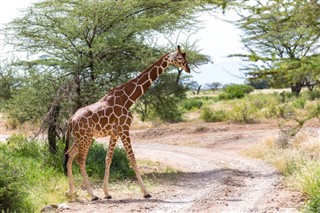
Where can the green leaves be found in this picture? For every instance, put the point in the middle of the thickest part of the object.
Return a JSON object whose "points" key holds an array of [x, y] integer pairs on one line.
{"points": [[87, 47], [280, 32]]}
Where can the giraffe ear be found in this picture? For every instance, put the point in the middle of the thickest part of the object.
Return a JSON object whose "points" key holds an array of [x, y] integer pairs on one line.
{"points": [[184, 55], [178, 48]]}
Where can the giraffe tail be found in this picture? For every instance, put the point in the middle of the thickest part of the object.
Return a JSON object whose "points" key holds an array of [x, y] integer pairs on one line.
{"points": [[66, 149]]}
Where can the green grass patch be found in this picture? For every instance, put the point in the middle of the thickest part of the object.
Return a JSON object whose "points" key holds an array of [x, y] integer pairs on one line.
{"points": [[235, 91], [209, 115], [36, 182], [192, 103], [31, 177]]}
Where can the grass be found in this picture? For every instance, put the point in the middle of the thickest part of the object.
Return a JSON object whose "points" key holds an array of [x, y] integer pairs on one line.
{"points": [[37, 180], [255, 107], [299, 163], [31, 178]]}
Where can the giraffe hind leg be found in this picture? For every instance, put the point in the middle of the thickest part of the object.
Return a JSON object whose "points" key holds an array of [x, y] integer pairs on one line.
{"points": [[82, 156], [69, 160]]}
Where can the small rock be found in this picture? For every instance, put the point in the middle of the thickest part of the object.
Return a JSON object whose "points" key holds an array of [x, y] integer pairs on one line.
{"points": [[63, 206], [48, 209]]}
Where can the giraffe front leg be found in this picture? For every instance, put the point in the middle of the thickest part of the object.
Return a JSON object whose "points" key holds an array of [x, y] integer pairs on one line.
{"points": [[127, 145], [112, 144]]}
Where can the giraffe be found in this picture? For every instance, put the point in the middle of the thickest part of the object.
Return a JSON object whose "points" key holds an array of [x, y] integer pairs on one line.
{"points": [[110, 116]]}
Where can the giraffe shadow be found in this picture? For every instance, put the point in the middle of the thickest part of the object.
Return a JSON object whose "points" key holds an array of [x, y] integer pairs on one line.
{"points": [[189, 181], [225, 176], [133, 200]]}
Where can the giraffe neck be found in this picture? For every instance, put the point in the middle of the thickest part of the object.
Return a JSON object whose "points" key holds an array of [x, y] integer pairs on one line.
{"points": [[139, 85], [135, 88]]}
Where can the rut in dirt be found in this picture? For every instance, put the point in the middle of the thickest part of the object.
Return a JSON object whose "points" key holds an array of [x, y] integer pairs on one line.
{"points": [[214, 177], [211, 180]]}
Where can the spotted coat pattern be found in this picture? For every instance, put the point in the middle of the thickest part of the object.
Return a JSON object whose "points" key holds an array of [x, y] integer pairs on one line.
{"points": [[110, 116]]}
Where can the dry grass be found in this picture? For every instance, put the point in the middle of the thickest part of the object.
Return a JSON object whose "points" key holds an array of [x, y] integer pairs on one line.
{"points": [[9, 126], [270, 91], [303, 148], [300, 163]]}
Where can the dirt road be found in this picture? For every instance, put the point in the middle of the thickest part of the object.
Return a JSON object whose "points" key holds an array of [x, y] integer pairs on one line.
{"points": [[214, 176]]}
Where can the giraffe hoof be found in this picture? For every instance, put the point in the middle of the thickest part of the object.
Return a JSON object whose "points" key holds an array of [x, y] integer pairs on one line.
{"points": [[147, 196], [108, 197], [94, 199], [70, 195]]}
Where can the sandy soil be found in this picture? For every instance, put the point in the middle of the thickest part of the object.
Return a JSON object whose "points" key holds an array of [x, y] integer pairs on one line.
{"points": [[214, 176]]}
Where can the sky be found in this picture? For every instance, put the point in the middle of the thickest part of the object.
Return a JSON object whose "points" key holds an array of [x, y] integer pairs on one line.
{"points": [[216, 38]]}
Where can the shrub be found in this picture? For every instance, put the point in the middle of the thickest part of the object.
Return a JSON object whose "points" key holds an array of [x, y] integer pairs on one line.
{"points": [[285, 111], [299, 103], [285, 97], [120, 168], [192, 104], [244, 112], [26, 166], [96, 160], [224, 96], [168, 113], [209, 115], [308, 179], [12, 185], [235, 91], [314, 94], [19, 145]]}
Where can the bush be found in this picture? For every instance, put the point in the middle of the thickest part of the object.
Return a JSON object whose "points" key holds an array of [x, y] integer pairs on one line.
{"points": [[244, 112], [120, 168], [192, 104], [299, 103], [12, 185], [235, 91], [285, 111], [19, 145], [214, 116], [313, 95], [26, 166], [96, 160], [308, 179], [267, 104]]}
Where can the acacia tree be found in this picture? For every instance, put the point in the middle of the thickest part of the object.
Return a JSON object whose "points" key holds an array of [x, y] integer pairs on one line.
{"points": [[81, 49], [279, 35], [213, 86]]}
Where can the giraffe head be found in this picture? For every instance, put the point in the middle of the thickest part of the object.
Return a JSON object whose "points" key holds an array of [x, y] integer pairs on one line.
{"points": [[178, 59]]}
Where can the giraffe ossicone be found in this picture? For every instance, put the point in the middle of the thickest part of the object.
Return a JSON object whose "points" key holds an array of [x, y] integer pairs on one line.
{"points": [[110, 116]]}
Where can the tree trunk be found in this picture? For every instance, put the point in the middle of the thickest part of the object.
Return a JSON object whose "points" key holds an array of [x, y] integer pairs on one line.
{"points": [[53, 127], [78, 92], [198, 90], [179, 75], [309, 85], [296, 88]]}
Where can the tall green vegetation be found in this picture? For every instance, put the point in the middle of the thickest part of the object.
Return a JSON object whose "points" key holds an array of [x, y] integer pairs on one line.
{"points": [[281, 38], [78, 50], [235, 91], [26, 167]]}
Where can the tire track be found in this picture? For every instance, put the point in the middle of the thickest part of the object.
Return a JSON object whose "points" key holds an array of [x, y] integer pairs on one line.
{"points": [[216, 181]]}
